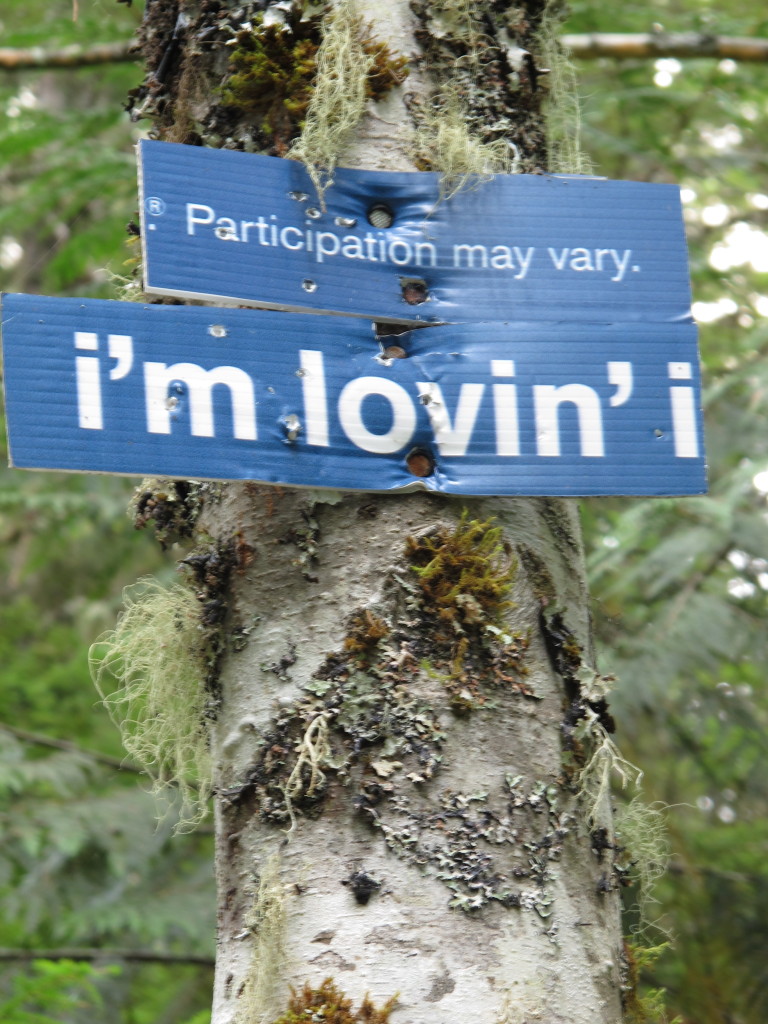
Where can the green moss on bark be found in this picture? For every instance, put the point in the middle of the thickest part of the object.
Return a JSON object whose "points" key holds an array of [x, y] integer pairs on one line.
{"points": [[327, 1003], [465, 575], [647, 1007], [272, 72]]}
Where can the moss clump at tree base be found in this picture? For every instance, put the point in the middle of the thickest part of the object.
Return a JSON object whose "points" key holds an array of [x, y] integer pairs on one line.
{"points": [[329, 1005]]}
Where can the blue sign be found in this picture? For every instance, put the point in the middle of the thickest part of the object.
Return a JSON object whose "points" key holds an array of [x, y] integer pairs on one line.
{"points": [[243, 228], [505, 408]]}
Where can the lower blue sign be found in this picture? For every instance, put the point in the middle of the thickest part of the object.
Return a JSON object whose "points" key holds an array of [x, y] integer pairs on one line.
{"points": [[506, 408]]}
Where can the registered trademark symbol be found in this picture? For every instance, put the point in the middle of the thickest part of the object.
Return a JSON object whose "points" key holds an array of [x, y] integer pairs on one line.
{"points": [[154, 206]]}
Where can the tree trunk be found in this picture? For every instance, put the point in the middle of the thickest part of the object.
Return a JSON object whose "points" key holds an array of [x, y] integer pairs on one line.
{"points": [[400, 695]]}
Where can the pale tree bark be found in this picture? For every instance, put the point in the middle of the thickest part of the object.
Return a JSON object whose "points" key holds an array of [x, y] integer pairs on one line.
{"points": [[396, 757]]}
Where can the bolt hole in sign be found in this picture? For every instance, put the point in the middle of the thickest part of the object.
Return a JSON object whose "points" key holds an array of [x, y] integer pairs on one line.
{"points": [[242, 228], [531, 408]]}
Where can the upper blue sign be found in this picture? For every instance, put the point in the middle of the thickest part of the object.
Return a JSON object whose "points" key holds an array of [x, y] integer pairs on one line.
{"points": [[243, 228], [516, 408]]}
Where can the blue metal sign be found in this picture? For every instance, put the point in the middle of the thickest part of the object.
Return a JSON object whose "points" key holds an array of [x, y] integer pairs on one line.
{"points": [[524, 408], [243, 228]]}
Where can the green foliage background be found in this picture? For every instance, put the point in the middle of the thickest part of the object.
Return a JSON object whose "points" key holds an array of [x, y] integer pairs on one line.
{"points": [[679, 586], [83, 862]]}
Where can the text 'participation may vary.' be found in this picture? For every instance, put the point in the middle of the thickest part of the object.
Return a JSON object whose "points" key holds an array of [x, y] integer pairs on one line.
{"points": [[411, 251]]}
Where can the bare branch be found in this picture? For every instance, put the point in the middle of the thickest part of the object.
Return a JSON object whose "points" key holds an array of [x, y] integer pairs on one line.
{"points": [[662, 44], [133, 955], [586, 47], [68, 57], [57, 744]]}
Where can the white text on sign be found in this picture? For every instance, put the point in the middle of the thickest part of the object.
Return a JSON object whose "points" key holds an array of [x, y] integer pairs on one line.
{"points": [[185, 390], [378, 247], [239, 394]]}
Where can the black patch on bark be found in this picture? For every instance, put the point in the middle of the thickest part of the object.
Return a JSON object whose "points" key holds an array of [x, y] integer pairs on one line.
{"points": [[362, 886]]}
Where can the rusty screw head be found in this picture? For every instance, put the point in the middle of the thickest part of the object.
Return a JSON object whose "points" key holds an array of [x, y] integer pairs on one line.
{"points": [[419, 463], [394, 352]]}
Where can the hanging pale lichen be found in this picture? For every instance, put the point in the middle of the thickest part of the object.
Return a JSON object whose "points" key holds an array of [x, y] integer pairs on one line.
{"points": [[590, 757], [339, 96], [496, 71], [266, 922], [351, 68], [307, 779], [605, 763], [466, 131], [157, 657], [636, 834], [562, 110], [641, 829], [442, 140], [483, 116]]}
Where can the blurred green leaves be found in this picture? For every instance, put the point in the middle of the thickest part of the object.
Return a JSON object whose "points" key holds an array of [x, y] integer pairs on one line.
{"points": [[83, 860], [67, 185], [50, 987], [681, 587]]}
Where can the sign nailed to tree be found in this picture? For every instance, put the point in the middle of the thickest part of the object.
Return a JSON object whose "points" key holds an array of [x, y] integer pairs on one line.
{"points": [[505, 408], [244, 228]]}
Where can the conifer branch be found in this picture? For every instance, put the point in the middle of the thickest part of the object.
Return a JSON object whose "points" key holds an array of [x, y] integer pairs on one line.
{"points": [[132, 955]]}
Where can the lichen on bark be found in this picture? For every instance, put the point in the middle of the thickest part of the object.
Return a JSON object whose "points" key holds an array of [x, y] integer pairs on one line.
{"points": [[262, 77], [368, 726], [484, 116]]}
